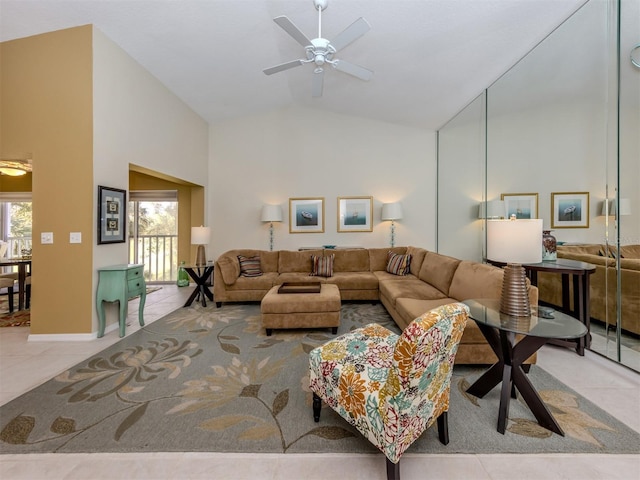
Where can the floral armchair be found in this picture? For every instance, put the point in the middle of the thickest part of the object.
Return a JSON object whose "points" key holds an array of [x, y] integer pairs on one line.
{"points": [[391, 387]]}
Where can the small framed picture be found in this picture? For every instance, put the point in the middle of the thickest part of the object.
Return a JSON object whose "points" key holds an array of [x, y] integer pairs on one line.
{"points": [[522, 205], [570, 210], [111, 215], [355, 214], [306, 215]]}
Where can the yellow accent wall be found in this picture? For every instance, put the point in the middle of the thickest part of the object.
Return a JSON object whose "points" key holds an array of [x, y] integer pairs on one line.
{"points": [[47, 112]]}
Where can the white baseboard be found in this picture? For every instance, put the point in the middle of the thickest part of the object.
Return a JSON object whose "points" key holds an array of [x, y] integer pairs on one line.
{"points": [[69, 337]]}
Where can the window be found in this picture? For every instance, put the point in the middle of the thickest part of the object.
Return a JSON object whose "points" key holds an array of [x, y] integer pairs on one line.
{"points": [[15, 222], [153, 233]]}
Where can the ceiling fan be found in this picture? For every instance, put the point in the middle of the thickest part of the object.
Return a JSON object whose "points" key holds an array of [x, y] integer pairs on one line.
{"points": [[321, 51]]}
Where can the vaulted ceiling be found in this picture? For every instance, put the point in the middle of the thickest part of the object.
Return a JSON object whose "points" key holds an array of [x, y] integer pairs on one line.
{"points": [[430, 57]]}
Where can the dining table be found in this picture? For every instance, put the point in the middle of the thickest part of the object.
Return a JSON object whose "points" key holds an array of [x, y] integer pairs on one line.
{"points": [[24, 269]]}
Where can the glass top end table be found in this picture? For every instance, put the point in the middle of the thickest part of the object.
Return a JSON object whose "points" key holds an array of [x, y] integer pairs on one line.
{"points": [[500, 331]]}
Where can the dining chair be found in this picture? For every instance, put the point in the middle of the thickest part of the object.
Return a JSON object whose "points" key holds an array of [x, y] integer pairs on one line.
{"points": [[8, 283]]}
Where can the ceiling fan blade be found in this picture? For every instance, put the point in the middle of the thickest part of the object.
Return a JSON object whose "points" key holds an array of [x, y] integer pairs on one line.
{"points": [[350, 34], [355, 70], [317, 82], [282, 66], [289, 27]]}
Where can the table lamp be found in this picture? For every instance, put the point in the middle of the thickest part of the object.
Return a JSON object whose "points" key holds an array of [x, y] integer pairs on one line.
{"points": [[514, 242], [271, 213], [200, 236], [392, 211]]}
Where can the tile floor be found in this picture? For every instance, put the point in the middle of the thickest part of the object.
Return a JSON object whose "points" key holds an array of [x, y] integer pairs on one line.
{"points": [[24, 365]]}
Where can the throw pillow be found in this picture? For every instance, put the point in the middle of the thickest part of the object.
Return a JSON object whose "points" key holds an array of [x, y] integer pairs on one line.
{"points": [[322, 266], [398, 264], [250, 266]]}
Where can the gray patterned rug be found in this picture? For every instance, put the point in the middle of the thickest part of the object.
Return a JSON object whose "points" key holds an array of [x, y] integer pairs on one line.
{"points": [[207, 379]]}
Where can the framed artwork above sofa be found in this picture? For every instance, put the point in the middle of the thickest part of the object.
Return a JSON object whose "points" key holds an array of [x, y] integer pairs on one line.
{"points": [[306, 215], [355, 214], [570, 210], [522, 205]]}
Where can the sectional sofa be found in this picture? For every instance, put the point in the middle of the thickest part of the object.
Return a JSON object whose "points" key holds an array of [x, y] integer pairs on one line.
{"points": [[362, 274], [603, 286]]}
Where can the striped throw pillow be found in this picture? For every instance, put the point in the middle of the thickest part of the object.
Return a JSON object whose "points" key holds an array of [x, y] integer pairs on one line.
{"points": [[250, 266], [398, 264], [322, 266]]}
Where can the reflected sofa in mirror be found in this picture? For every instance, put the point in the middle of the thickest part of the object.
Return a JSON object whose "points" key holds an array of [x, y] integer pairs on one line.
{"points": [[552, 127]]}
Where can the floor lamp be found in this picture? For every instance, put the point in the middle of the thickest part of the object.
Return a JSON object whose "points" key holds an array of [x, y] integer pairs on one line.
{"points": [[392, 211], [200, 236], [271, 213], [514, 242]]}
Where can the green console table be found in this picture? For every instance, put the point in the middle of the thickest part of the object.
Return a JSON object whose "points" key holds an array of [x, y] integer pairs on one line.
{"points": [[119, 283]]}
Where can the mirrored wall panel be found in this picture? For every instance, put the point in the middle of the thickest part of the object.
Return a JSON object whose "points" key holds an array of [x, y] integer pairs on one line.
{"points": [[562, 145]]}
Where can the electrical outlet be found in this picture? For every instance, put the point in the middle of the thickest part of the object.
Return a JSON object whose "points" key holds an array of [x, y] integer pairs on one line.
{"points": [[75, 237], [46, 237]]}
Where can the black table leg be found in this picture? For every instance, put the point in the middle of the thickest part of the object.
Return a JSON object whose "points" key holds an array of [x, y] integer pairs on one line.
{"points": [[509, 371], [201, 291]]}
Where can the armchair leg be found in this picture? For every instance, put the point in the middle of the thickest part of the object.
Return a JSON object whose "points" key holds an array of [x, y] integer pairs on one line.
{"points": [[317, 406], [443, 428], [393, 470]]}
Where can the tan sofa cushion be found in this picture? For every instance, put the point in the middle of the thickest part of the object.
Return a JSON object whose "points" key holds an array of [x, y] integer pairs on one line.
{"points": [[476, 280], [355, 260], [263, 282], [378, 257], [354, 280], [438, 270], [230, 268], [630, 251], [414, 307], [409, 287], [292, 261], [417, 257]]}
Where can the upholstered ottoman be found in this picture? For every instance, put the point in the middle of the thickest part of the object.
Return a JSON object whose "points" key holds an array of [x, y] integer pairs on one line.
{"points": [[301, 310]]}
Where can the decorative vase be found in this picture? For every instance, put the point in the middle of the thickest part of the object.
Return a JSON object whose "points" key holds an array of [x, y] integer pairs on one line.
{"points": [[548, 246], [183, 276]]}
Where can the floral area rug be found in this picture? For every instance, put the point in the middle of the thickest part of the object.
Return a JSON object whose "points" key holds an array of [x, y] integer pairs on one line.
{"points": [[19, 318], [208, 379]]}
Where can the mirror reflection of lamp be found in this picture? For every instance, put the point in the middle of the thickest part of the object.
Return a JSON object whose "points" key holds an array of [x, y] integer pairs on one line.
{"points": [[393, 212], [514, 242], [200, 236], [271, 213], [492, 209]]}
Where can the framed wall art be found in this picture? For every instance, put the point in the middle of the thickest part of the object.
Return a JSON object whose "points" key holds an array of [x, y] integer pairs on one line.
{"points": [[570, 210], [112, 215], [306, 215], [355, 214], [522, 205]]}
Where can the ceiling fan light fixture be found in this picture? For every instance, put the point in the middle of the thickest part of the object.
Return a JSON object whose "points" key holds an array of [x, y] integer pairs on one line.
{"points": [[320, 50]]}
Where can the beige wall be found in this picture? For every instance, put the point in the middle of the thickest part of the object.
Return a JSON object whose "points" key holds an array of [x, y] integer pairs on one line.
{"points": [[299, 152], [46, 95], [139, 124], [85, 112], [16, 184]]}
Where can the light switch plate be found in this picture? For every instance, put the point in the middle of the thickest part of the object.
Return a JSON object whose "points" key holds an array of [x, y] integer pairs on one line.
{"points": [[46, 237], [75, 237]]}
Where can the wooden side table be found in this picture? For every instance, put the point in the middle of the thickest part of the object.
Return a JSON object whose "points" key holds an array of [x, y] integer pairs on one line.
{"points": [[580, 271], [500, 332], [200, 275], [119, 283]]}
